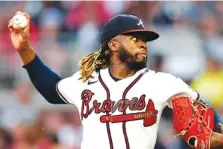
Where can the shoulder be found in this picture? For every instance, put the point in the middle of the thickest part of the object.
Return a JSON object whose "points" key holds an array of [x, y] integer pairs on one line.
{"points": [[167, 82], [75, 80], [162, 76], [70, 88], [67, 83], [165, 75]]}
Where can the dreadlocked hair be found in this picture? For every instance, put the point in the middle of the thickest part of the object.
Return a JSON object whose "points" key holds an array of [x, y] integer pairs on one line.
{"points": [[94, 62]]}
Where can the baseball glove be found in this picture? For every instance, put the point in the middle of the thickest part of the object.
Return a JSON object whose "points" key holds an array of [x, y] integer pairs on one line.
{"points": [[194, 122]]}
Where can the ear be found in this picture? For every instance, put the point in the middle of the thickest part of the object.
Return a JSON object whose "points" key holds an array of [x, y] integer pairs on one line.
{"points": [[113, 45]]}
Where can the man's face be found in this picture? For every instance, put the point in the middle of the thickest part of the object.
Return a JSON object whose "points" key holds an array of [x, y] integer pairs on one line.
{"points": [[133, 51]]}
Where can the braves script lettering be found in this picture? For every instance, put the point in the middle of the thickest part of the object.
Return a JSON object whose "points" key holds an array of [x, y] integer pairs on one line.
{"points": [[109, 106]]}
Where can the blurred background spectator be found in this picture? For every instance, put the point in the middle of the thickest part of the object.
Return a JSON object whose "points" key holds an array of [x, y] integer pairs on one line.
{"points": [[190, 47]]}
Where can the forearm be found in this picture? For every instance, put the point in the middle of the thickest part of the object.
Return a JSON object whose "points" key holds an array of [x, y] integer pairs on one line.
{"points": [[27, 54], [216, 140], [44, 80], [42, 77]]}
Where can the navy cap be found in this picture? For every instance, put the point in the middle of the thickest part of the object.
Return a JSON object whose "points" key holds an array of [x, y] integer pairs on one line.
{"points": [[125, 24]]}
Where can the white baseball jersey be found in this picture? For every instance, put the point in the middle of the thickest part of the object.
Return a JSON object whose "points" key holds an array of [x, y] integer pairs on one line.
{"points": [[121, 114]]}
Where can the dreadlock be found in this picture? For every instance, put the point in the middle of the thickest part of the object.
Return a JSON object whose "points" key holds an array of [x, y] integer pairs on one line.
{"points": [[94, 62]]}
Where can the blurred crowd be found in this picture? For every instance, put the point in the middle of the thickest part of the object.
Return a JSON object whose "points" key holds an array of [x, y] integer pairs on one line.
{"points": [[190, 47]]}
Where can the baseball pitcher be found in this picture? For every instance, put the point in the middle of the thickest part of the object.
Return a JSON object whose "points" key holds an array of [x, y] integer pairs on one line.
{"points": [[120, 101]]}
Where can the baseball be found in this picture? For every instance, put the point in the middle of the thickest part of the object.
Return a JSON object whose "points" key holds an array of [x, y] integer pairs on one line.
{"points": [[19, 21]]}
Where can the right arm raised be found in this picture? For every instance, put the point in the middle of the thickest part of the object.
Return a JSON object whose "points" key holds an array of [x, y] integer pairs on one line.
{"points": [[42, 77], [20, 40]]}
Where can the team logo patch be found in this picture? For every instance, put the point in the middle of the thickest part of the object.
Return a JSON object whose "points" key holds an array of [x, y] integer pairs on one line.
{"points": [[149, 116]]}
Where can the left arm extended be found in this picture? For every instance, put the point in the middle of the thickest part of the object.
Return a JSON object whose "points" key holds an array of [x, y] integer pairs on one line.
{"points": [[218, 121], [196, 122], [216, 140], [217, 117]]}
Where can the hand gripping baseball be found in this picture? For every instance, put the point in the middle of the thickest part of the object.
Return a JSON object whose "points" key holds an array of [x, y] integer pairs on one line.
{"points": [[195, 122], [19, 30]]}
